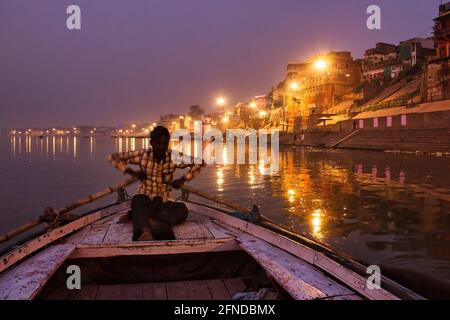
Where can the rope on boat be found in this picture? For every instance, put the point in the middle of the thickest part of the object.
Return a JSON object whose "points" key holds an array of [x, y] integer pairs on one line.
{"points": [[57, 217]]}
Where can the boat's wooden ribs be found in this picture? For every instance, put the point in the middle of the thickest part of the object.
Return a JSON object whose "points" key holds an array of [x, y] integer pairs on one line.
{"points": [[217, 289]]}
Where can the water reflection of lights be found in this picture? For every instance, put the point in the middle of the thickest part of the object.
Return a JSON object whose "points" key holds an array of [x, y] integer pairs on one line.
{"points": [[74, 147], [13, 145], [28, 144], [91, 146], [291, 195], [316, 223], [225, 155], [60, 145], [251, 176], [262, 167], [133, 144], [53, 147], [220, 179]]}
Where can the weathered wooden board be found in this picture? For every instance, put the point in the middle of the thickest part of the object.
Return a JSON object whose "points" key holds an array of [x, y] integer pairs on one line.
{"points": [[155, 291], [96, 234], [176, 291], [197, 290], [87, 293], [26, 280], [119, 233], [159, 291], [299, 278], [20, 253], [234, 286], [78, 236], [191, 230], [350, 278], [105, 250], [218, 290]]}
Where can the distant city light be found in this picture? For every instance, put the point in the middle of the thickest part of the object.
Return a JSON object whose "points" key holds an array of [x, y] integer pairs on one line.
{"points": [[262, 114], [253, 105]]}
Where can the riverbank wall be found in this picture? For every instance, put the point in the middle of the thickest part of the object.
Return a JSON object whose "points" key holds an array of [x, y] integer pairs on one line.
{"points": [[424, 128]]}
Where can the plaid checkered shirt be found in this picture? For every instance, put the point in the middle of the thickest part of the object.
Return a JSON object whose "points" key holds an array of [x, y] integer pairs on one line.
{"points": [[159, 175]]}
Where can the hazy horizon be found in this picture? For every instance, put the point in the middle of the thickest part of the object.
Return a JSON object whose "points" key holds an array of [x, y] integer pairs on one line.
{"points": [[134, 62]]}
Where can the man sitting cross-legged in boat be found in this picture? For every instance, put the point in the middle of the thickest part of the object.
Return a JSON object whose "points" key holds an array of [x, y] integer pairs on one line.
{"points": [[151, 211]]}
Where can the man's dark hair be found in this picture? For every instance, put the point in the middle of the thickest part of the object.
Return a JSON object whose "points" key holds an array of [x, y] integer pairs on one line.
{"points": [[159, 132]]}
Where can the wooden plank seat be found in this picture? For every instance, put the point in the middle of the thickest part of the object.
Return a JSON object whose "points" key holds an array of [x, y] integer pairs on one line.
{"points": [[110, 231]]}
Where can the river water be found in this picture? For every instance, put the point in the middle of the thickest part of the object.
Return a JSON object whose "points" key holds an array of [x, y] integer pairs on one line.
{"points": [[392, 210]]}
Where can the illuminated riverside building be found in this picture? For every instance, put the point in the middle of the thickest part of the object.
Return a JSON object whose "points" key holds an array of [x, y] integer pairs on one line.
{"points": [[312, 88]]}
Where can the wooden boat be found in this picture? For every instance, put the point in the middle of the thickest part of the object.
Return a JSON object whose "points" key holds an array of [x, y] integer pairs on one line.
{"points": [[215, 257]]}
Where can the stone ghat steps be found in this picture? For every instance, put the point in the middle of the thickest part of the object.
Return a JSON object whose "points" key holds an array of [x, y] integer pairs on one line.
{"points": [[426, 140]]}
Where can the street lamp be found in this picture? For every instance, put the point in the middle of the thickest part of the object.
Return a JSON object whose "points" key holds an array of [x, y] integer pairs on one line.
{"points": [[221, 103], [294, 86], [253, 105], [320, 65]]}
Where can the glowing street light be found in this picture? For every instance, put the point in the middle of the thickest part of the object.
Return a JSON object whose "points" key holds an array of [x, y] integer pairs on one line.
{"points": [[221, 101], [253, 105], [320, 65], [294, 86], [133, 126], [262, 114]]}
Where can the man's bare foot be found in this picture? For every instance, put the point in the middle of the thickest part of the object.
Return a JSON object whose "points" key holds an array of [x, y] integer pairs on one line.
{"points": [[146, 235]]}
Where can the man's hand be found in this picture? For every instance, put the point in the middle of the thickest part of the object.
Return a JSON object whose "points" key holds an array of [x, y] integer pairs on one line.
{"points": [[141, 175], [178, 183]]}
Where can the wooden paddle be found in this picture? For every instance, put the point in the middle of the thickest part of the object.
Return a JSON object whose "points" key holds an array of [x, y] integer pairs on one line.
{"points": [[53, 215], [216, 199]]}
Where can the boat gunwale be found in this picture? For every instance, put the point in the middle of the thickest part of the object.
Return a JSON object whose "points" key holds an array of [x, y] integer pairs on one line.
{"points": [[317, 259]]}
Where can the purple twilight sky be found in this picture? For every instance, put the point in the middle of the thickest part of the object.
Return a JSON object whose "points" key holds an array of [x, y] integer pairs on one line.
{"points": [[134, 60]]}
